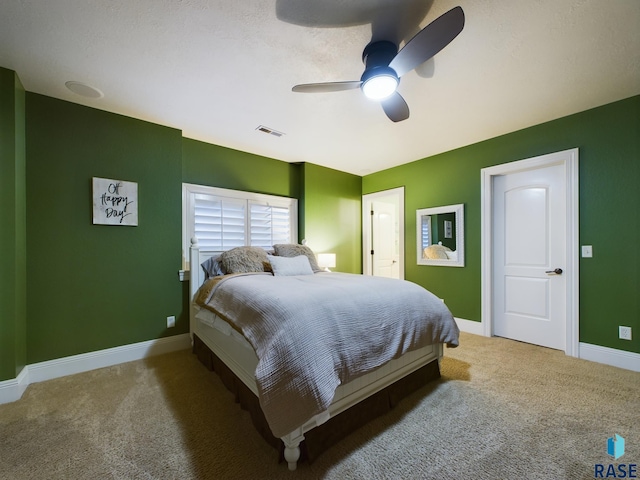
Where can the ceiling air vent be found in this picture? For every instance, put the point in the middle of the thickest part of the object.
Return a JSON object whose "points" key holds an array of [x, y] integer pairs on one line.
{"points": [[270, 131]]}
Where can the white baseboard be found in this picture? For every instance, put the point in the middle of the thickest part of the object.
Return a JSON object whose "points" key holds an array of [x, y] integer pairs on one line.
{"points": [[469, 326], [587, 351], [12, 390], [610, 356]]}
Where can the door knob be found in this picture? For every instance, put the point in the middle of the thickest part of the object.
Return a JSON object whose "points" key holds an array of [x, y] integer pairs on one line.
{"points": [[557, 271]]}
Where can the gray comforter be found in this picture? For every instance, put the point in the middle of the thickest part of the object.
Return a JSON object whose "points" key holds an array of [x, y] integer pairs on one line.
{"points": [[312, 333]]}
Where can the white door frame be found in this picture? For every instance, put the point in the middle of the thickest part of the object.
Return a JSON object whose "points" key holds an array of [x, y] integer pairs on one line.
{"points": [[569, 159], [366, 227]]}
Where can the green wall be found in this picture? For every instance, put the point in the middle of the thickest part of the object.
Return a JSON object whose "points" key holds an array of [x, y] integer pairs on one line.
{"points": [[438, 230], [332, 215], [13, 297], [215, 166], [608, 139], [92, 287]]}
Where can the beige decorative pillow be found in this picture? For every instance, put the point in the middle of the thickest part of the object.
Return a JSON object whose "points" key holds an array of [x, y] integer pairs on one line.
{"points": [[294, 250], [436, 252], [244, 260]]}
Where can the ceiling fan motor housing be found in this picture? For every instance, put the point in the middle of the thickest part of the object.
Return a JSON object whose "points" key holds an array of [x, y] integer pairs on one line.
{"points": [[376, 57], [379, 54]]}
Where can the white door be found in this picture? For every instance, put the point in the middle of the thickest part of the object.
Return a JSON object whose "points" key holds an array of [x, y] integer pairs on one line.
{"points": [[384, 227], [383, 233], [530, 256]]}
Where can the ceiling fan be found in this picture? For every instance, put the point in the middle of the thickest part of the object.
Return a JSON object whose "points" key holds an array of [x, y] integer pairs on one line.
{"points": [[384, 64]]}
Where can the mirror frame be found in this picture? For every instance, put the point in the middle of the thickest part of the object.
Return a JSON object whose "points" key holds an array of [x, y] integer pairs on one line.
{"points": [[459, 218]]}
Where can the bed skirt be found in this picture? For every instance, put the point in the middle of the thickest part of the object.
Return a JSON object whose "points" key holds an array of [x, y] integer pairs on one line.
{"points": [[336, 428]]}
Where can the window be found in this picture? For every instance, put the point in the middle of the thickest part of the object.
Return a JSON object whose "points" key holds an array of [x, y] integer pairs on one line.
{"points": [[425, 229], [223, 219], [218, 223], [268, 225]]}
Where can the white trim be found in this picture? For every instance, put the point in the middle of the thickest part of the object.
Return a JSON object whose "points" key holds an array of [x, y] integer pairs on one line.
{"points": [[568, 158], [610, 356], [12, 390], [366, 227], [469, 326]]}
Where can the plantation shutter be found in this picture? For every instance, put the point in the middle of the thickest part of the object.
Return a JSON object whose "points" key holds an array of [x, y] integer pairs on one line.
{"points": [[269, 225], [425, 229], [222, 219], [219, 223]]}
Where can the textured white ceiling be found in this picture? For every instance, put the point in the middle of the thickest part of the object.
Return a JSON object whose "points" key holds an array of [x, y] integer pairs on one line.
{"points": [[217, 69]]}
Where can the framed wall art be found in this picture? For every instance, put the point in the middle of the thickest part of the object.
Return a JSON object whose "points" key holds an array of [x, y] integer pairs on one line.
{"points": [[115, 202]]}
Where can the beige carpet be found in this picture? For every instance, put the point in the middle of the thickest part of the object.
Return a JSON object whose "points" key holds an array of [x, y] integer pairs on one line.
{"points": [[503, 410]]}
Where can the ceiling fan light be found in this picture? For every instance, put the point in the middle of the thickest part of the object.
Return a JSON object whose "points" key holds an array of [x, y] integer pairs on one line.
{"points": [[379, 87]]}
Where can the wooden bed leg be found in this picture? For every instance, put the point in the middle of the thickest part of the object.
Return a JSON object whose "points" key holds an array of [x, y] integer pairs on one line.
{"points": [[292, 448]]}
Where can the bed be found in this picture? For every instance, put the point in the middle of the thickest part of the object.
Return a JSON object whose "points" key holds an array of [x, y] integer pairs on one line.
{"points": [[306, 364]]}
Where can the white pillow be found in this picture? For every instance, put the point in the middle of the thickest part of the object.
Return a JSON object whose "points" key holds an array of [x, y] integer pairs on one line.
{"points": [[282, 266]]}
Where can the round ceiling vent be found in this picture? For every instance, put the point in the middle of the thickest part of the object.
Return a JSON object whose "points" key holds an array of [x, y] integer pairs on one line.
{"points": [[84, 90]]}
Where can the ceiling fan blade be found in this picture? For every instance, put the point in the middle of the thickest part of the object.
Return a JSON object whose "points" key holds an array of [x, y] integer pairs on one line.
{"points": [[429, 41], [395, 107], [326, 87]]}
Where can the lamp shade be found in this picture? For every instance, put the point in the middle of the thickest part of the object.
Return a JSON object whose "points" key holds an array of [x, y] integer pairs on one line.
{"points": [[326, 260]]}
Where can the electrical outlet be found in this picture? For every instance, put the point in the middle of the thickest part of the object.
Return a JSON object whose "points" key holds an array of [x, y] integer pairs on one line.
{"points": [[624, 332], [171, 321]]}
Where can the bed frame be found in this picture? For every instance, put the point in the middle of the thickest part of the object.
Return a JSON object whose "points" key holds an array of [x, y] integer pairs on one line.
{"points": [[241, 361]]}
